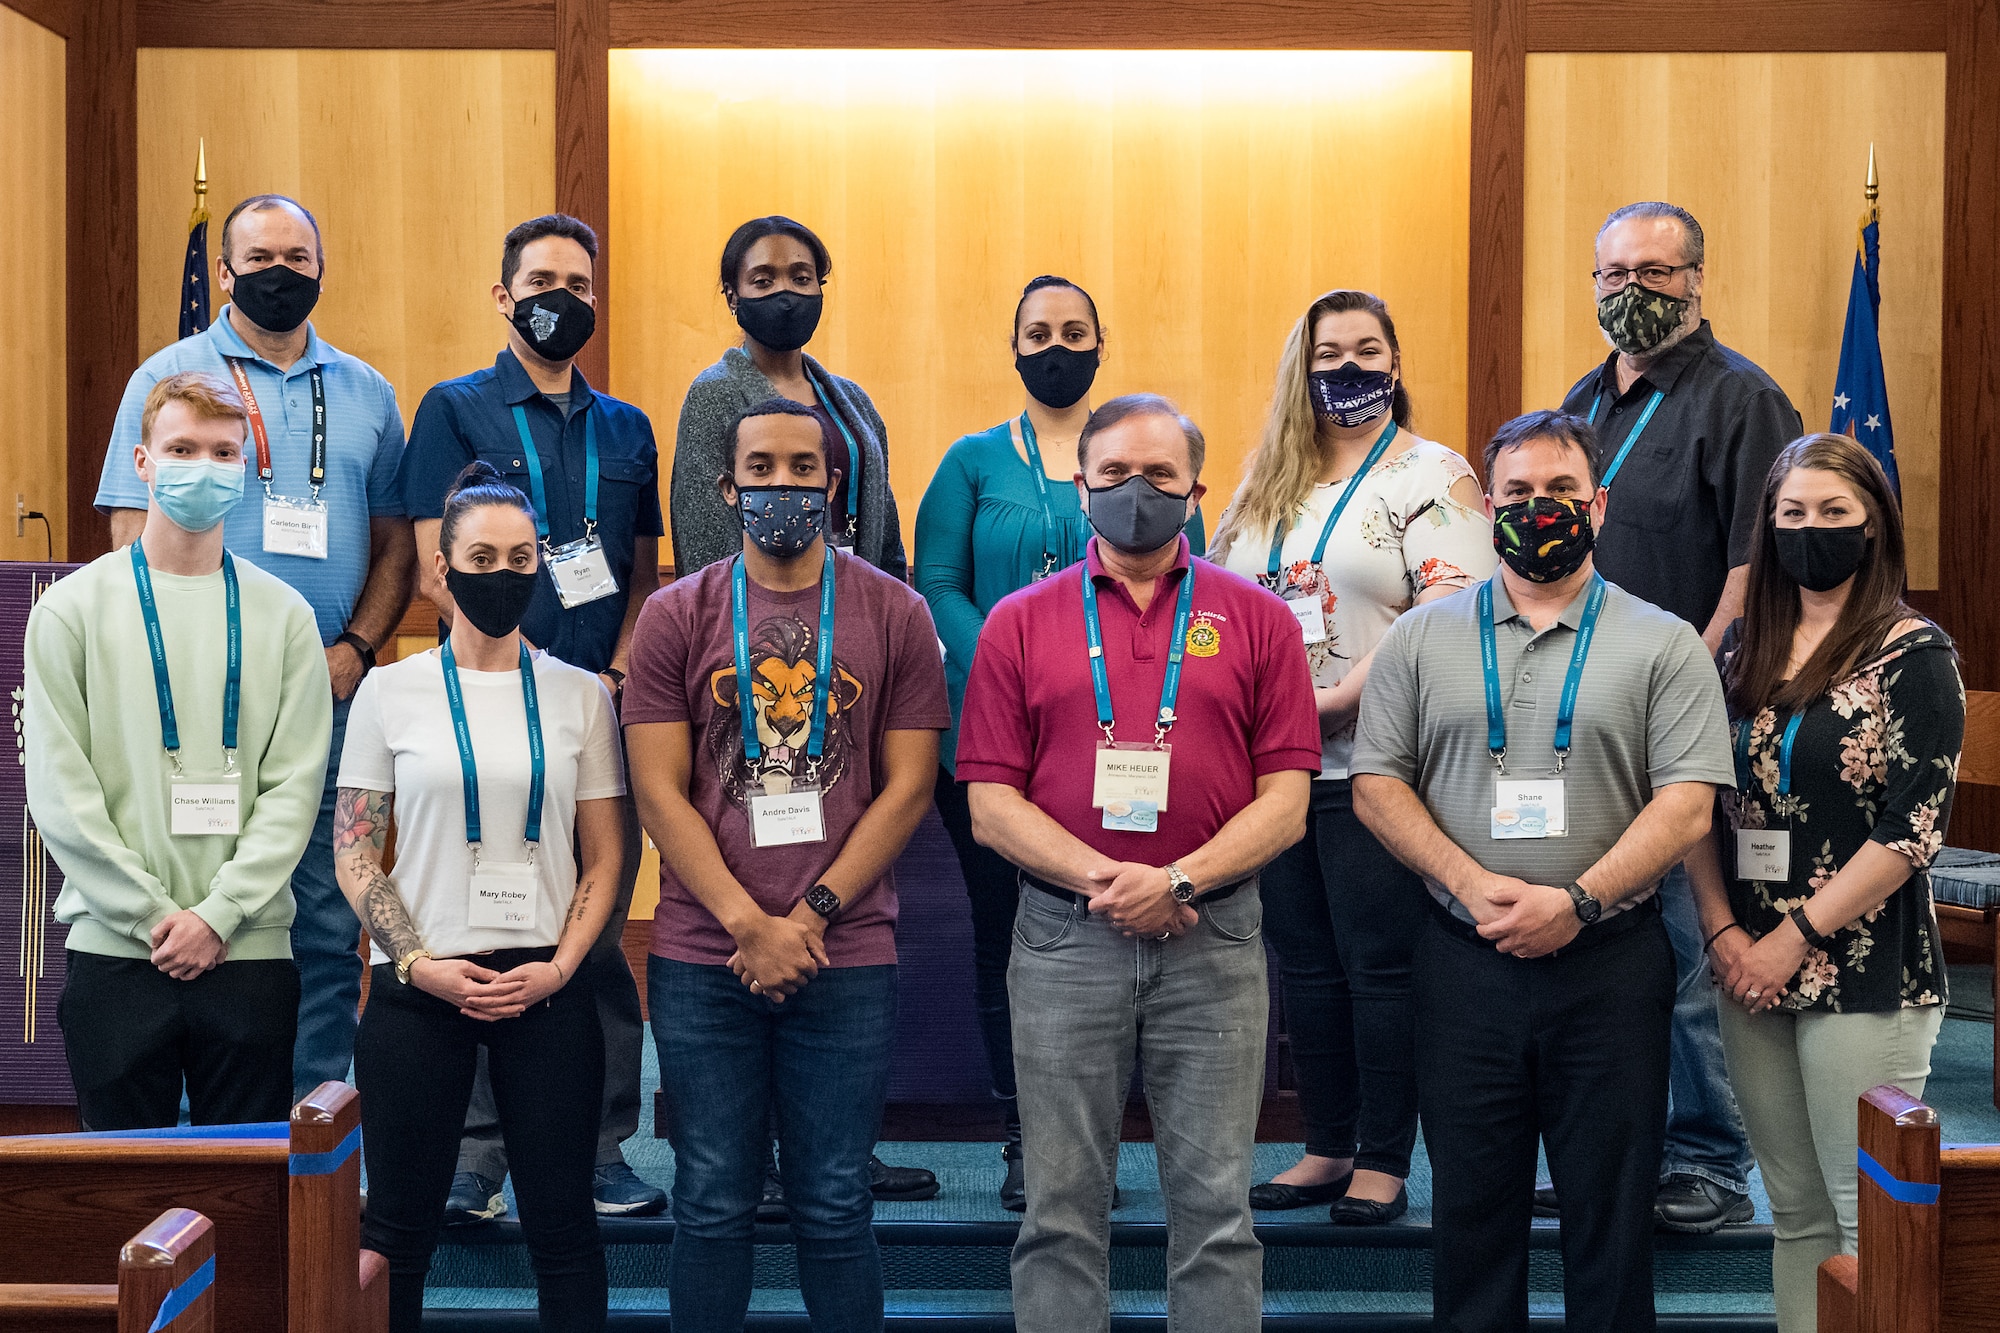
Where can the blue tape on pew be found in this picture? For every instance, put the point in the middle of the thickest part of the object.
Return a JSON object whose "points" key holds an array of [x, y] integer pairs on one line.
{"points": [[274, 1129], [1902, 1191], [326, 1163], [181, 1297]]}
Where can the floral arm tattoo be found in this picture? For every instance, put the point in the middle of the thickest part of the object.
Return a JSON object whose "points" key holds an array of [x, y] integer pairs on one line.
{"points": [[360, 832]]}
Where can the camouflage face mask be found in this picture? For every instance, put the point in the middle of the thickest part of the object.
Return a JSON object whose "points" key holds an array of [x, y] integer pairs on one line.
{"points": [[1638, 319]]}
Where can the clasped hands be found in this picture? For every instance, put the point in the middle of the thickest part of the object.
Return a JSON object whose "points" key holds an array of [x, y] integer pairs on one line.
{"points": [[1138, 899], [1757, 974], [480, 992], [777, 955], [1526, 920]]}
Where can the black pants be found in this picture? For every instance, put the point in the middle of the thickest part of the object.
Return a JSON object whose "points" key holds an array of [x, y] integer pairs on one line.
{"points": [[991, 885], [133, 1034], [414, 1059], [1344, 916], [1570, 1049]]}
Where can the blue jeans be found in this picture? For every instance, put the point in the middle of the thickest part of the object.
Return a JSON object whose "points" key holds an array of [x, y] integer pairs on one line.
{"points": [[326, 937], [1705, 1134], [727, 1057]]}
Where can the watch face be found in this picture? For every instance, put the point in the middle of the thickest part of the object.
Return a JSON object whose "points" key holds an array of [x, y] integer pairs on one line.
{"points": [[823, 900]]}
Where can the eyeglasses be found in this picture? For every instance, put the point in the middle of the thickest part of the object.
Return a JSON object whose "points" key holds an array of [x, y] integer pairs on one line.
{"points": [[1652, 276]]}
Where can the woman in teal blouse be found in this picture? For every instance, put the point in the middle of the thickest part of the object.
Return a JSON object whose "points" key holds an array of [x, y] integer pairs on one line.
{"points": [[1000, 513]]}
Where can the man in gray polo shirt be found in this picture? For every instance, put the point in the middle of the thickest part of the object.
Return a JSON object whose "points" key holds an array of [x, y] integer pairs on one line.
{"points": [[1542, 749]]}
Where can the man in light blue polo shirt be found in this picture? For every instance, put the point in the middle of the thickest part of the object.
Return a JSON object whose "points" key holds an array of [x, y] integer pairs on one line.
{"points": [[323, 514]]}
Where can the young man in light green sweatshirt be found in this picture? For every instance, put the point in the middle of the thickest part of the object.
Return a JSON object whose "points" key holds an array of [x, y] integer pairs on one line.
{"points": [[176, 724]]}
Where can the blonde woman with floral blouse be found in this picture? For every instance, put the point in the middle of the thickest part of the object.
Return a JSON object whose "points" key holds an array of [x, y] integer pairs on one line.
{"points": [[1847, 713]]}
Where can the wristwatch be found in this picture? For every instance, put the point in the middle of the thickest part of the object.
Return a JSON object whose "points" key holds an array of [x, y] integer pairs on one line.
{"points": [[1181, 886], [617, 679], [1588, 909], [362, 649], [408, 961], [1814, 940], [823, 900]]}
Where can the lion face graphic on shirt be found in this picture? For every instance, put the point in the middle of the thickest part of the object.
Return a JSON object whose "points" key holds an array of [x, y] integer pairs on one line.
{"points": [[783, 670]]}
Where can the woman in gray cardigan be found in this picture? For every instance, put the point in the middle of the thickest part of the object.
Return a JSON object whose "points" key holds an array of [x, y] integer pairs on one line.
{"points": [[773, 273]]}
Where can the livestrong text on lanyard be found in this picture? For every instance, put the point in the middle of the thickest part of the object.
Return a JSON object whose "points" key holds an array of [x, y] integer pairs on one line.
{"points": [[196, 808], [1130, 783], [291, 526], [503, 892], [783, 810], [581, 572], [1532, 808], [1765, 854], [1306, 606]]}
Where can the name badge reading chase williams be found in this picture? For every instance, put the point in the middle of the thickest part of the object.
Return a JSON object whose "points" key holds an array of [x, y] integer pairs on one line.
{"points": [[200, 808]]}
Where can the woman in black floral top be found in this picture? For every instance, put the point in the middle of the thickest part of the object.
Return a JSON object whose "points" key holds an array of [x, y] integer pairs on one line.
{"points": [[1848, 713]]}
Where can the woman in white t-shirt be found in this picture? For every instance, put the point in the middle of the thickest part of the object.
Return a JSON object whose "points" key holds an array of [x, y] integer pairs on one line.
{"points": [[489, 915], [1353, 519]]}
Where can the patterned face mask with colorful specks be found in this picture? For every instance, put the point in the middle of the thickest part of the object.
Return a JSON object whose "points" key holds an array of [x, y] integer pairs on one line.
{"points": [[1638, 319], [1544, 539]]}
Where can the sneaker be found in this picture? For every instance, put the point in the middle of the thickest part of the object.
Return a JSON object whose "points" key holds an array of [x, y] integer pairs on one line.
{"points": [[1697, 1207], [473, 1198], [619, 1192]]}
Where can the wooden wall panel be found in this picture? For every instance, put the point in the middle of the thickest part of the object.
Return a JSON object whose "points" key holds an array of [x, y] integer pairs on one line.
{"points": [[33, 413], [1204, 200], [1733, 25], [1770, 156], [383, 24], [415, 162], [1499, 120]]}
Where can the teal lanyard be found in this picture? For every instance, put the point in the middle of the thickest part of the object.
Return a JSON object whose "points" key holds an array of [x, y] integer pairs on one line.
{"points": [[1100, 680], [1624, 449], [156, 643], [853, 477], [535, 472], [1489, 661], [461, 731], [1278, 533], [739, 613], [1743, 731], [1049, 556]]}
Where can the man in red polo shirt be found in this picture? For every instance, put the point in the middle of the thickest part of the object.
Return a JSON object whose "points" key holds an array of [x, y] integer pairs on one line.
{"points": [[1159, 751]]}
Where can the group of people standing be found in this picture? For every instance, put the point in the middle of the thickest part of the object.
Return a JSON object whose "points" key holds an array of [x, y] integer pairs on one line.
{"points": [[1570, 825]]}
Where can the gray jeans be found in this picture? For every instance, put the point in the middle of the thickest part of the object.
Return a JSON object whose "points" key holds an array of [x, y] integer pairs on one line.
{"points": [[1193, 1011]]}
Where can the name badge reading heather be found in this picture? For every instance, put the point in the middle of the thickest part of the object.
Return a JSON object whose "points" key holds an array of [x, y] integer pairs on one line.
{"points": [[203, 808], [503, 896], [779, 819], [294, 527], [581, 572], [1529, 808], [1764, 854], [1130, 784], [1311, 617]]}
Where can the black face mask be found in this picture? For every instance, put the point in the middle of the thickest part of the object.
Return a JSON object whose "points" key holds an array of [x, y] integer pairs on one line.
{"points": [[1822, 558], [555, 324], [277, 298], [782, 321], [1058, 376], [1136, 516], [494, 601]]}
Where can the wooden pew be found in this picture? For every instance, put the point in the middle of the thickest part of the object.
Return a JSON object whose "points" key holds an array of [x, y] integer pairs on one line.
{"points": [[1929, 1257], [1973, 933], [284, 1200], [166, 1279]]}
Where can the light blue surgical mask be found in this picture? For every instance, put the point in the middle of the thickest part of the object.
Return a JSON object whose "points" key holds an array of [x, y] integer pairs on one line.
{"points": [[196, 493]]}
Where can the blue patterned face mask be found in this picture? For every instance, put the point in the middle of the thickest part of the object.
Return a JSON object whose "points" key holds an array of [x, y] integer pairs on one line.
{"points": [[782, 520]]}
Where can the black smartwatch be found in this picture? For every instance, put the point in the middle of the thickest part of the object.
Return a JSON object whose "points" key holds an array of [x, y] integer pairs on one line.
{"points": [[823, 900], [1588, 909], [362, 649]]}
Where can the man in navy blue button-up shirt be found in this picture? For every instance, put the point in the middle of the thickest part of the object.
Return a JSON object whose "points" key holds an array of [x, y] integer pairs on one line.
{"points": [[532, 416]]}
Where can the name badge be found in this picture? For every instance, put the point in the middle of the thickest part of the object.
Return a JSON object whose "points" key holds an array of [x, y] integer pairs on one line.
{"points": [[294, 527], [503, 895], [1529, 808], [581, 572], [780, 819], [1764, 854], [1130, 784], [1311, 617], [202, 808]]}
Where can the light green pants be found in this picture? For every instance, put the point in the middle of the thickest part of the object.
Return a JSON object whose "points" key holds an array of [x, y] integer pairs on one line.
{"points": [[1797, 1079]]}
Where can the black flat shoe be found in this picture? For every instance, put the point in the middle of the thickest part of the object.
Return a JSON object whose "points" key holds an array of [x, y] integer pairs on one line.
{"points": [[771, 1207], [1014, 1189], [1546, 1204], [1274, 1197], [1352, 1212]]}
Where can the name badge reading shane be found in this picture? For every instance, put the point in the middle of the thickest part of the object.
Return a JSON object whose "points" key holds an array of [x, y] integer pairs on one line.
{"points": [[582, 573], [1311, 617], [294, 527], [1764, 854], [503, 896], [201, 808], [1529, 808], [781, 819], [1130, 784]]}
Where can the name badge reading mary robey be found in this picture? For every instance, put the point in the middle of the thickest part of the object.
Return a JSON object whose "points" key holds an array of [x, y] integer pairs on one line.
{"points": [[1764, 854], [1311, 617], [1130, 785], [781, 819], [1529, 808], [582, 573], [294, 527], [200, 808], [503, 896]]}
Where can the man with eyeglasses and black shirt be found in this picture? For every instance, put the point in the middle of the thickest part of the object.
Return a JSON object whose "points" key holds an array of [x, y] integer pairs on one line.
{"points": [[1687, 430]]}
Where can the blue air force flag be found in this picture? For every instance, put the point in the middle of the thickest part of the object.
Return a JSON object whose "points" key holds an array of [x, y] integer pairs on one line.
{"points": [[1860, 396]]}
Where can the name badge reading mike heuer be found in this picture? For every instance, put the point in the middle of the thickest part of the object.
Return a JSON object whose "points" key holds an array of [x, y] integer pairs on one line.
{"points": [[1129, 783]]}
